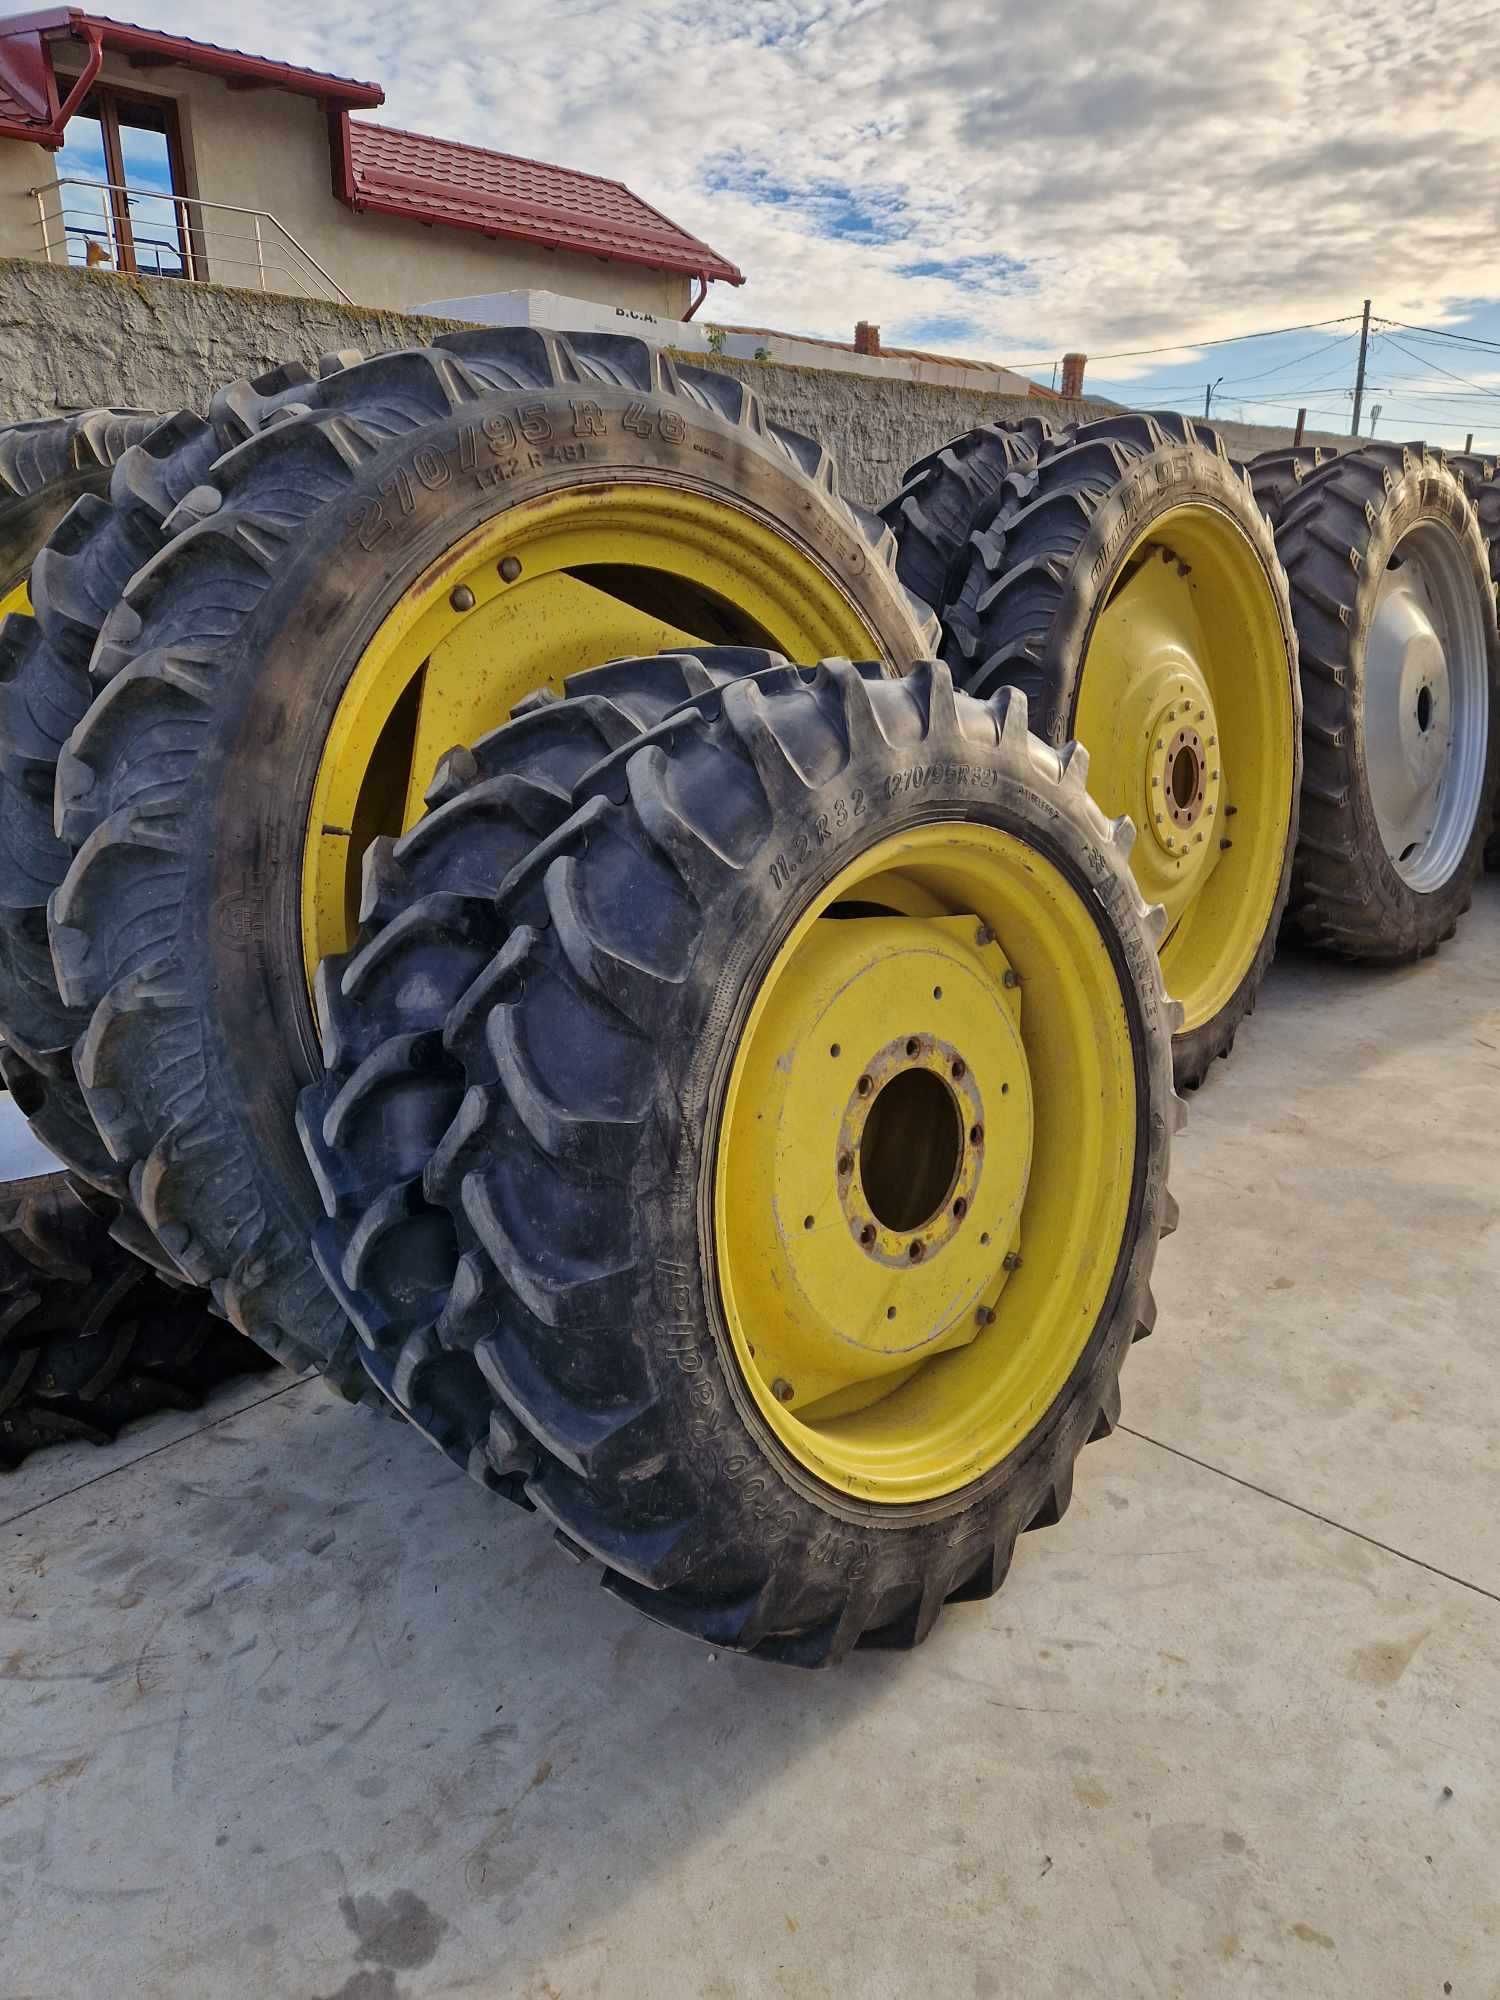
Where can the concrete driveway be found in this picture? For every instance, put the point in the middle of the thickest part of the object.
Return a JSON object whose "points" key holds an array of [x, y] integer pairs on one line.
{"points": [[287, 1709]]}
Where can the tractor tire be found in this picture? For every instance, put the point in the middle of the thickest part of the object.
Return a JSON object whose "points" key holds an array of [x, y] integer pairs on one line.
{"points": [[1278, 476], [354, 589], [1395, 616], [941, 494], [1193, 649], [76, 579], [44, 467], [551, 1217], [90, 1339]]}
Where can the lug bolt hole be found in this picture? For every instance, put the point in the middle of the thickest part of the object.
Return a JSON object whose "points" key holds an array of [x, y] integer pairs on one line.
{"points": [[846, 1163], [960, 1069], [960, 1209], [864, 1086], [867, 1235], [913, 1046], [976, 1135], [915, 1252]]}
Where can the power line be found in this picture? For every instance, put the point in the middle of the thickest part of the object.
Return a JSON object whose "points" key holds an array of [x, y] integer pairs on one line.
{"points": [[1150, 388], [1184, 394], [1225, 340], [1377, 321], [1190, 387], [1310, 354], [1441, 333], [1421, 363], [1407, 386]]}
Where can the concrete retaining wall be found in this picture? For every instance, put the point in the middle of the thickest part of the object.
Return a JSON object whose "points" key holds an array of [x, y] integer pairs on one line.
{"points": [[71, 339]]}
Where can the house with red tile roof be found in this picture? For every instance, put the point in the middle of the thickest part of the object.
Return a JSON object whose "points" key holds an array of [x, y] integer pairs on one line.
{"points": [[129, 149]]}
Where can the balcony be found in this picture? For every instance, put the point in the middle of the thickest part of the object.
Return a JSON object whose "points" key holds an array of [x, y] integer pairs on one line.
{"points": [[102, 225]]}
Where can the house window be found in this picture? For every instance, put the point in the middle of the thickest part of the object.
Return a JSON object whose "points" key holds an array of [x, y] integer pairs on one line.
{"points": [[121, 168]]}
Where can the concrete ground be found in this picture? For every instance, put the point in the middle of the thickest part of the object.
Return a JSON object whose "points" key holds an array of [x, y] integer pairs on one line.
{"points": [[288, 1710]]}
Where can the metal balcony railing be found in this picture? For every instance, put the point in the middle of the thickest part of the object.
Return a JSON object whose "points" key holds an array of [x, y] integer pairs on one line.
{"points": [[155, 235]]}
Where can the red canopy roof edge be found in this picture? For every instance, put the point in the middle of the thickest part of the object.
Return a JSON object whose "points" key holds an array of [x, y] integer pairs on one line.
{"points": [[26, 41]]}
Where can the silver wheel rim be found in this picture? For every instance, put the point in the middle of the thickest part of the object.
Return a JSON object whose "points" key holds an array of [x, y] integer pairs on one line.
{"points": [[1427, 706]]}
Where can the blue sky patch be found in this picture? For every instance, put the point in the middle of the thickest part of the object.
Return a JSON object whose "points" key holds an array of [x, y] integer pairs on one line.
{"points": [[831, 207], [977, 273]]}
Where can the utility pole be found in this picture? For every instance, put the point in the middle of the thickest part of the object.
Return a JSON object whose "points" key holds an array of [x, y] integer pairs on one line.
{"points": [[1359, 379], [1208, 395]]}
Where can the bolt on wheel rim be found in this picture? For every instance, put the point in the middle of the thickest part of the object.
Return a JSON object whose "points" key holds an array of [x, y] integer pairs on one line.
{"points": [[915, 1233], [1426, 707], [1187, 709], [540, 591]]}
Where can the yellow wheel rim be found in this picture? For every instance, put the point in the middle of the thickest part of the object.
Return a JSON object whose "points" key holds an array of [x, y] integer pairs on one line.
{"points": [[925, 1162], [17, 598], [539, 592], [1186, 706]]}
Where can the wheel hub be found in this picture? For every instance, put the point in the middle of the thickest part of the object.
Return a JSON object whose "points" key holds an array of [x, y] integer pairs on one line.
{"points": [[910, 1150], [1183, 784], [1409, 713], [893, 1171]]}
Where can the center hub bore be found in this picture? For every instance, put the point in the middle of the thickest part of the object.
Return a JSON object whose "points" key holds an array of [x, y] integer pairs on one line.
{"points": [[1185, 773], [910, 1150], [1183, 783]]}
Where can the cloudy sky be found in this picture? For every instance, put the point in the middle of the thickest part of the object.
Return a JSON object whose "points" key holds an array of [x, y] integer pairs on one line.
{"points": [[1009, 180]]}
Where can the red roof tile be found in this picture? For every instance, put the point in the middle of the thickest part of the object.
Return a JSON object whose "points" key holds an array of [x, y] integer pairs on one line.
{"points": [[466, 187]]}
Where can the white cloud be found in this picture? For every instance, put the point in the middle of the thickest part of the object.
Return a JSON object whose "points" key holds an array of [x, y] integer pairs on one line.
{"points": [[1168, 171]]}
